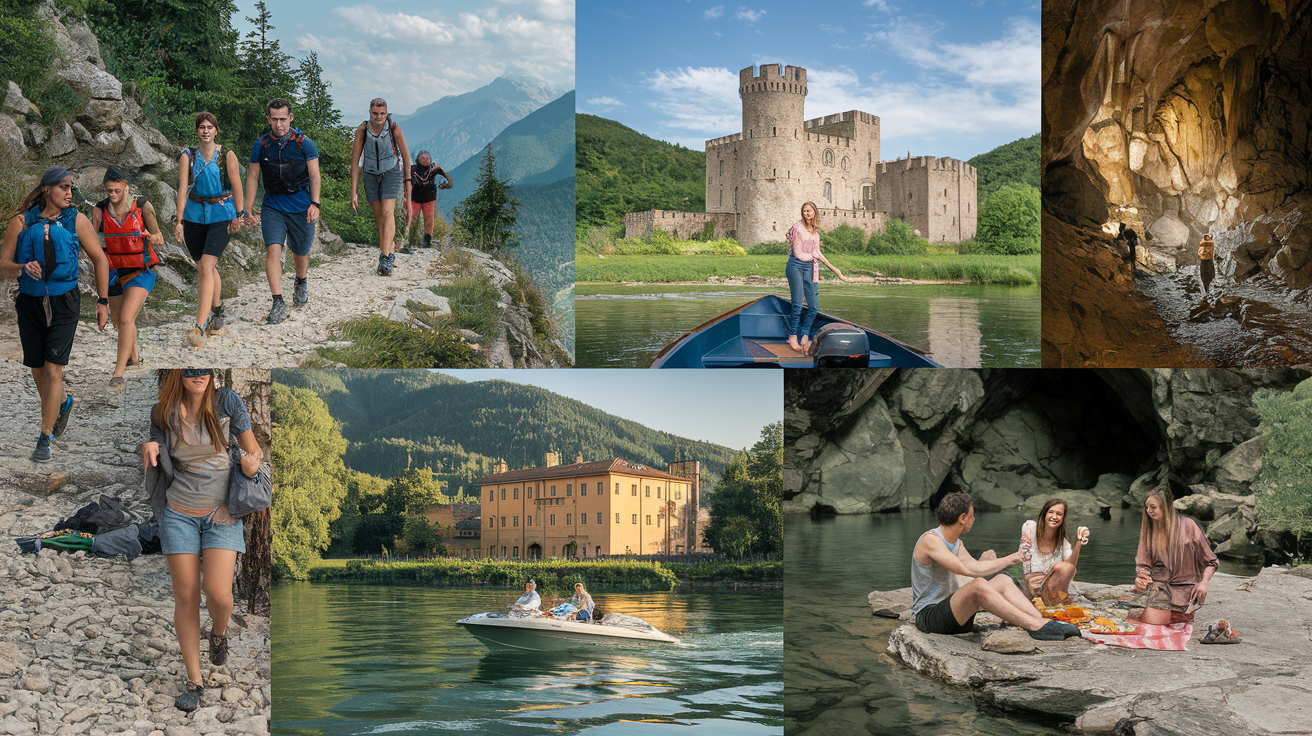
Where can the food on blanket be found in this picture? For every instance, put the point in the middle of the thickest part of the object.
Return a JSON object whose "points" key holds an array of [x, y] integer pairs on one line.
{"points": [[1071, 614], [1103, 625], [1038, 603]]}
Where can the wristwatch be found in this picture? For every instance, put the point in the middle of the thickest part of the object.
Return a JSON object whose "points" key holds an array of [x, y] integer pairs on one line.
{"points": [[102, 300], [316, 204]]}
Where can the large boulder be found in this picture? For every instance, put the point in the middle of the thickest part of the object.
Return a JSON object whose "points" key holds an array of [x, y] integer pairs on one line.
{"points": [[91, 82], [138, 154], [929, 398], [11, 136], [102, 115], [16, 103], [61, 141], [926, 466], [1237, 469], [862, 470]]}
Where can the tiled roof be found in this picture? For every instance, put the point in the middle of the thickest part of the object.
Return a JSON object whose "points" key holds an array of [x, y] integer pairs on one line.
{"points": [[579, 469]]}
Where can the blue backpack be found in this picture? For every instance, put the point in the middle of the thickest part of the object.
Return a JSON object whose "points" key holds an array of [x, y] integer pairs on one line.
{"points": [[53, 242]]}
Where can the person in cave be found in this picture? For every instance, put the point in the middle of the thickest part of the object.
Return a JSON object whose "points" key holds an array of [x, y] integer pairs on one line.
{"points": [[941, 606], [1206, 262], [1131, 239], [1174, 563], [1049, 557]]}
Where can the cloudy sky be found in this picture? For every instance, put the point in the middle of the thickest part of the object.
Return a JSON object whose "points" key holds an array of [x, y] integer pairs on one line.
{"points": [[413, 52], [949, 78]]}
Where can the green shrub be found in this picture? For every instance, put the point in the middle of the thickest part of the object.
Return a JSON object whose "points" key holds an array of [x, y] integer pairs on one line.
{"points": [[1009, 221], [382, 343], [843, 239], [770, 249], [474, 301], [897, 239]]}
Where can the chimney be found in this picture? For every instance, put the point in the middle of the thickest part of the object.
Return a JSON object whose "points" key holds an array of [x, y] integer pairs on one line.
{"points": [[553, 459], [500, 467], [579, 459]]}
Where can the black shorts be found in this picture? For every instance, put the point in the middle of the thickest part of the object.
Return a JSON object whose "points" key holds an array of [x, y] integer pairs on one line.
{"points": [[47, 342], [205, 240], [938, 619]]}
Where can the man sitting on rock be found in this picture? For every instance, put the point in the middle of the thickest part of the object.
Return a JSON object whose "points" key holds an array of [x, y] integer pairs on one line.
{"points": [[941, 607]]}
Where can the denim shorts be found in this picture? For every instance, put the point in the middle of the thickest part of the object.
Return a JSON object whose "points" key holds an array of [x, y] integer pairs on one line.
{"points": [[180, 534], [289, 229]]}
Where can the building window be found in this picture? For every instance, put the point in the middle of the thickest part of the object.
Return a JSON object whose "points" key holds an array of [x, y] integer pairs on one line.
{"points": [[491, 522], [569, 519], [515, 553], [503, 494], [634, 492], [869, 159], [945, 192], [617, 518], [528, 521], [569, 489], [647, 494], [598, 517], [829, 192], [583, 489], [553, 490], [828, 157], [583, 518], [503, 551], [553, 519], [635, 518], [658, 491], [721, 204], [721, 167], [678, 495], [503, 522], [514, 520], [846, 164], [617, 489], [648, 519], [491, 495], [658, 521], [585, 551], [735, 198], [514, 493], [553, 550]]}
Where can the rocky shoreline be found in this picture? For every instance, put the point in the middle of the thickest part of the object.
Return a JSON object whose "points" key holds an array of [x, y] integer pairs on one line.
{"points": [[87, 644], [1260, 686]]}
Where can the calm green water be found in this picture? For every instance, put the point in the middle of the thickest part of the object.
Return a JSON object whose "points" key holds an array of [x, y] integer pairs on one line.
{"points": [[839, 678], [960, 326], [361, 659]]}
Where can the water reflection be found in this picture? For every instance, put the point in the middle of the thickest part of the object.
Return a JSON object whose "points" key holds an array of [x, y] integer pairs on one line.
{"points": [[954, 334]]}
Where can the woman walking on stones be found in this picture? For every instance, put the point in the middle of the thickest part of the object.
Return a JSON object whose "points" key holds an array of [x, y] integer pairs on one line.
{"points": [[187, 473], [803, 272], [1174, 563], [1206, 262], [209, 185], [1049, 558], [40, 249]]}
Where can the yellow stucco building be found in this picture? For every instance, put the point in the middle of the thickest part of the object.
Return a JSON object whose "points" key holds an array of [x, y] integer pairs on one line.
{"points": [[611, 507]]}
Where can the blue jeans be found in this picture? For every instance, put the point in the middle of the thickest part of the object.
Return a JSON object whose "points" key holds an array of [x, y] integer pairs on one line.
{"points": [[801, 286]]}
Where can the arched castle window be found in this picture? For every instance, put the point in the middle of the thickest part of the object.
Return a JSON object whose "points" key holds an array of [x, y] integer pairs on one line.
{"points": [[829, 191], [846, 163], [869, 158], [828, 158], [721, 167]]}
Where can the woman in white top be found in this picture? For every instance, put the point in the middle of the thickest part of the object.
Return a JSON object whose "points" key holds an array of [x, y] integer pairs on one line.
{"points": [[1049, 558]]}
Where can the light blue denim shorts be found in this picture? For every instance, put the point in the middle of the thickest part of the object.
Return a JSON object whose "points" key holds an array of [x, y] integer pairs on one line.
{"points": [[180, 534]]}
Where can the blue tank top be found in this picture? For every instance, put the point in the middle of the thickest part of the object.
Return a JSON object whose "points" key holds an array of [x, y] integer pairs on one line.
{"points": [[206, 181]]}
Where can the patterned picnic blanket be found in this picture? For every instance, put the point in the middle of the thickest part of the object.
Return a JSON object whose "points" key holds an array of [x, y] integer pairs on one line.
{"points": [[1162, 637]]}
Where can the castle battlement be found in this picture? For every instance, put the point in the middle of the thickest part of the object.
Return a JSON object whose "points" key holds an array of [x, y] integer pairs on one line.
{"points": [[933, 163], [831, 139], [722, 140], [864, 118], [792, 80]]}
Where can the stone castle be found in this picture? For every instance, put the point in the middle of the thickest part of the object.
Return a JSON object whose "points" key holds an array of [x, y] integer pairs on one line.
{"points": [[757, 180]]}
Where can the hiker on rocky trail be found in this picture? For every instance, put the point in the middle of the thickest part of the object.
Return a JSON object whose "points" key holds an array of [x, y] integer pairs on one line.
{"points": [[40, 249], [289, 164], [379, 150], [1207, 262], [131, 235], [209, 186], [1174, 563], [1131, 239], [1049, 558], [803, 272], [941, 607], [423, 193], [189, 431]]}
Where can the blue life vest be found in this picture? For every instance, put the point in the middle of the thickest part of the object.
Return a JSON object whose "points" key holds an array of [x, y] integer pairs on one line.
{"points": [[53, 242], [284, 174]]}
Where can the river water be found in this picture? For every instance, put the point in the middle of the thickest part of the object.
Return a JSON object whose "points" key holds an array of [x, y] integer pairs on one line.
{"points": [[840, 680], [371, 659], [960, 326]]}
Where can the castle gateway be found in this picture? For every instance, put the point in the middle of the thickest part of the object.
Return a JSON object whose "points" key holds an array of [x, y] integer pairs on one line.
{"points": [[757, 180]]}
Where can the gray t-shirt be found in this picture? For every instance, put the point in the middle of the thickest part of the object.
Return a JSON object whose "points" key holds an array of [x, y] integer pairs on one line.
{"points": [[201, 473]]}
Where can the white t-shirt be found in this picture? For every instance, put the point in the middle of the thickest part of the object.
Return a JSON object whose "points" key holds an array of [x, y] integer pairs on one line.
{"points": [[1039, 562], [529, 601]]}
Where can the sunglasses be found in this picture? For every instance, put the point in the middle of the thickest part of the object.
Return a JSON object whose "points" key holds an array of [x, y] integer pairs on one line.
{"points": [[196, 372]]}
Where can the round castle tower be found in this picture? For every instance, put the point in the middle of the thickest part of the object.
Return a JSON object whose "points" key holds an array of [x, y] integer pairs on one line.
{"points": [[770, 169]]}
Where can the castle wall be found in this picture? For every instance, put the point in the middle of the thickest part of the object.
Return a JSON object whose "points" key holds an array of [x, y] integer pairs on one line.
{"points": [[678, 224], [936, 196]]}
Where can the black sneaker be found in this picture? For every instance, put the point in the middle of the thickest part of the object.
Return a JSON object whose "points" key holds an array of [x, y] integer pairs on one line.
{"points": [[64, 411], [428, 240], [278, 312], [42, 452], [189, 700], [385, 265], [302, 293], [1055, 631], [216, 320], [218, 649]]}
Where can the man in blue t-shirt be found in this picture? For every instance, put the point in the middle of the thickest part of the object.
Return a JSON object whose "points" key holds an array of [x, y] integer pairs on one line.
{"points": [[289, 165]]}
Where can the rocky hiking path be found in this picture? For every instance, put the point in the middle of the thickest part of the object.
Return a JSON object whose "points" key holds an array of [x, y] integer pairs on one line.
{"points": [[1262, 685], [343, 287], [87, 645]]}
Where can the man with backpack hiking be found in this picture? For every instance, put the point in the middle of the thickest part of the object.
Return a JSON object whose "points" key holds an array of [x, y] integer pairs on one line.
{"points": [[379, 149], [289, 164]]}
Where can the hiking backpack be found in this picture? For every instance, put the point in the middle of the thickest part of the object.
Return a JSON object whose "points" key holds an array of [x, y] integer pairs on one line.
{"points": [[53, 242], [283, 176]]}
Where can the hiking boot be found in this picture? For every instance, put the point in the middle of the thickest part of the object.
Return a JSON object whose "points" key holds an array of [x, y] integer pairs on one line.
{"points": [[117, 383], [42, 452], [384, 265], [302, 293], [196, 337], [218, 649], [1055, 631], [189, 700], [215, 321], [428, 240], [64, 411], [278, 312]]}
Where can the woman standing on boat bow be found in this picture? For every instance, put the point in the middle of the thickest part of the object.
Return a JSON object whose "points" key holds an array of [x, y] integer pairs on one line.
{"points": [[803, 272]]}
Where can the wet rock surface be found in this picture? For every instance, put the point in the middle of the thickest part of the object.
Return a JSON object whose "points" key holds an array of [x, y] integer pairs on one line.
{"points": [[1259, 686], [87, 644]]}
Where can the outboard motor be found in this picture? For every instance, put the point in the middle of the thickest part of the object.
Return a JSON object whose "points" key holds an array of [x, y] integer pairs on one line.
{"points": [[840, 345]]}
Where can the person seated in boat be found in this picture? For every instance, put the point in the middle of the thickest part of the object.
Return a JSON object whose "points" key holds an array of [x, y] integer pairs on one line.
{"points": [[803, 272], [943, 606], [584, 603], [1049, 558], [1174, 564], [530, 602]]}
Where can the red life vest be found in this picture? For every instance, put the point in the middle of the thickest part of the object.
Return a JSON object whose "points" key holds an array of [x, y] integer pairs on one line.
{"points": [[127, 244]]}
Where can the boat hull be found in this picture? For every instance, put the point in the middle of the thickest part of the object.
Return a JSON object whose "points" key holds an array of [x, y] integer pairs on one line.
{"points": [[755, 335], [547, 634]]}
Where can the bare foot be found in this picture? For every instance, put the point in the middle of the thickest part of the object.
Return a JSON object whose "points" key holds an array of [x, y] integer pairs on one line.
{"points": [[806, 343], [792, 343]]}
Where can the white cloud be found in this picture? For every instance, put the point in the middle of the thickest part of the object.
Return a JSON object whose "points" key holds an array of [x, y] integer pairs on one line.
{"points": [[1013, 59], [696, 101], [878, 5], [714, 12], [751, 16], [608, 103]]}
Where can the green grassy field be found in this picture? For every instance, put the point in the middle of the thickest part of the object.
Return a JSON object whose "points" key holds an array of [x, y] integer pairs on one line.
{"points": [[977, 269]]}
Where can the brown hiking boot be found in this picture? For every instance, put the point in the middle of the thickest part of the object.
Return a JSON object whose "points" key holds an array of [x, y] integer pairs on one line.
{"points": [[218, 649]]}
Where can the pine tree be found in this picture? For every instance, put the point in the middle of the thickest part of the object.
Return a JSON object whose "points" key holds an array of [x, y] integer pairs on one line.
{"points": [[488, 215]]}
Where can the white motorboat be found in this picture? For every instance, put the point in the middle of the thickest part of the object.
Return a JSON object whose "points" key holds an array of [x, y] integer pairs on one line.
{"points": [[547, 633]]}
